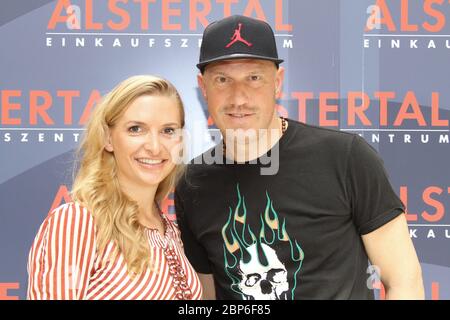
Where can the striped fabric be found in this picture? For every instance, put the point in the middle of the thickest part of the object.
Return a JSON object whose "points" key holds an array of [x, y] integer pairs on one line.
{"points": [[64, 263]]}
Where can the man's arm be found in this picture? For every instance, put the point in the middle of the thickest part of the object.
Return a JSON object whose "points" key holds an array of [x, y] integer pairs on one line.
{"points": [[390, 248], [209, 290], [195, 252]]}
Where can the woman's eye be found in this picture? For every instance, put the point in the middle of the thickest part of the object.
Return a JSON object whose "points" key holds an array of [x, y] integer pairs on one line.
{"points": [[169, 131], [135, 129]]}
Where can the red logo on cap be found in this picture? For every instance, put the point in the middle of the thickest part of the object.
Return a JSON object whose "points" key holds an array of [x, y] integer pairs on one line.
{"points": [[237, 37]]}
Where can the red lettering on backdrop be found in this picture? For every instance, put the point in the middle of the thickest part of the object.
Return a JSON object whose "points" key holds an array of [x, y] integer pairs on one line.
{"points": [[199, 15], [40, 109], [62, 194], [279, 25], [358, 103], [437, 15], [68, 96], [57, 16], [227, 6], [384, 98], [435, 291], [440, 210], [385, 17], [405, 26], [122, 13], [144, 12], [255, 5], [41, 102], [4, 287], [416, 114], [428, 198], [94, 98], [198, 12], [354, 110], [167, 12], [90, 23], [7, 106], [435, 121], [301, 98], [325, 108]]}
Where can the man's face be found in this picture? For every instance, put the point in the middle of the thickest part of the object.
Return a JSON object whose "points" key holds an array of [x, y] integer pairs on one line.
{"points": [[241, 93]]}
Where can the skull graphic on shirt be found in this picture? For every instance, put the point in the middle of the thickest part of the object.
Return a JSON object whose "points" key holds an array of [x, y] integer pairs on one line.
{"points": [[263, 282]]}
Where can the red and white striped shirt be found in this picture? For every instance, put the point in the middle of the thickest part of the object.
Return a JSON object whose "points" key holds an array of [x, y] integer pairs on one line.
{"points": [[64, 262]]}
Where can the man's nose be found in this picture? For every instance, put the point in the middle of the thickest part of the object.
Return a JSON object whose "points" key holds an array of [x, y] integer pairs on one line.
{"points": [[239, 95]]}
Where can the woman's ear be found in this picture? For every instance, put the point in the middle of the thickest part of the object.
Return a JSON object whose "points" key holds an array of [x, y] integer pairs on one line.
{"points": [[108, 144]]}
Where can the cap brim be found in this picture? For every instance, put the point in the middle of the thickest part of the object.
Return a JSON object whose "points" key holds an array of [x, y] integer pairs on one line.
{"points": [[237, 56]]}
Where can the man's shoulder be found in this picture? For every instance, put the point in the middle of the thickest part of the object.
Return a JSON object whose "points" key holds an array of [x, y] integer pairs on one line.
{"points": [[199, 168], [321, 136], [306, 128]]}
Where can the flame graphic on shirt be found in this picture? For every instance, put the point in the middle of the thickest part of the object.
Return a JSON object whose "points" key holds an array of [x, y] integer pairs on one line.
{"points": [[238, 236]]}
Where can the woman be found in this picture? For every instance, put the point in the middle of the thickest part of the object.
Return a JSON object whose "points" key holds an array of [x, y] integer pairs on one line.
{"points": [[112, 241]]}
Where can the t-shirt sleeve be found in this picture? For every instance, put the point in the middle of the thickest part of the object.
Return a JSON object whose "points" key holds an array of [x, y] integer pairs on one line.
{"points": [[62, 256], [373, 201], [194, 251]]}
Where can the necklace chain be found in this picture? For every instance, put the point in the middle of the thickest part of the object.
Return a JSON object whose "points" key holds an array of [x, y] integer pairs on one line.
{"points": [[179, 279]]}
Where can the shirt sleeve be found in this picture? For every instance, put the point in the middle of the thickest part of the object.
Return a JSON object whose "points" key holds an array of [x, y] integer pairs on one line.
{"points": [[373, 201], [62, 256], [194, 251]]}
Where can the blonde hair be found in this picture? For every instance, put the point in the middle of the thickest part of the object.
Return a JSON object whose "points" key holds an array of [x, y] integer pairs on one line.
{"points": [[96, 185]]}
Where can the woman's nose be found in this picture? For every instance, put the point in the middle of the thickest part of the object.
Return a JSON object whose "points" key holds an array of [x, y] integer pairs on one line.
{"points": [[152, 144]]}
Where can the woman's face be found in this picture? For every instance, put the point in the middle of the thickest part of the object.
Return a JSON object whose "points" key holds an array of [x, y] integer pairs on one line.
{"points": [[145, 141]]}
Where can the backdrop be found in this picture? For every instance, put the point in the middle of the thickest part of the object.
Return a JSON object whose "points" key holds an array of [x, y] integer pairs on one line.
{"points": [[376, 68]]}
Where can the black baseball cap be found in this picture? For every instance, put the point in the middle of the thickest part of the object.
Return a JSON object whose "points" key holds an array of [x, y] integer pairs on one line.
{"points": [[238, 37]]}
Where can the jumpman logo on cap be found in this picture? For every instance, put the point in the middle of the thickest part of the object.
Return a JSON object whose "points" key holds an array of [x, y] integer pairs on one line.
{"points": [[237, 37]]}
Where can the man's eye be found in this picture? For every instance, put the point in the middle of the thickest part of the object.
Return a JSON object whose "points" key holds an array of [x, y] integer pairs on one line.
{"points": [[134, 129], [255, 78], [221, 79]]}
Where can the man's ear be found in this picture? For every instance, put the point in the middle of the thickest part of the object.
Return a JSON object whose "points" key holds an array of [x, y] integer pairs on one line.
{"points": [[108, 143], [201, 85], [279, 78]]}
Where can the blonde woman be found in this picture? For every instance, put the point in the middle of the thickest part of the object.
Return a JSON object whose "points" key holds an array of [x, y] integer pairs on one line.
{"points": [[112, 241]]}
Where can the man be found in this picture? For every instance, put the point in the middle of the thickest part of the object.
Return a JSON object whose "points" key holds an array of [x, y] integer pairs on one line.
{"points": [[308, 230]]}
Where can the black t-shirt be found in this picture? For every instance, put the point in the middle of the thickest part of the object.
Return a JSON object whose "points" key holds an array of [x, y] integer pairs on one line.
{"points": [[295, 234]]}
